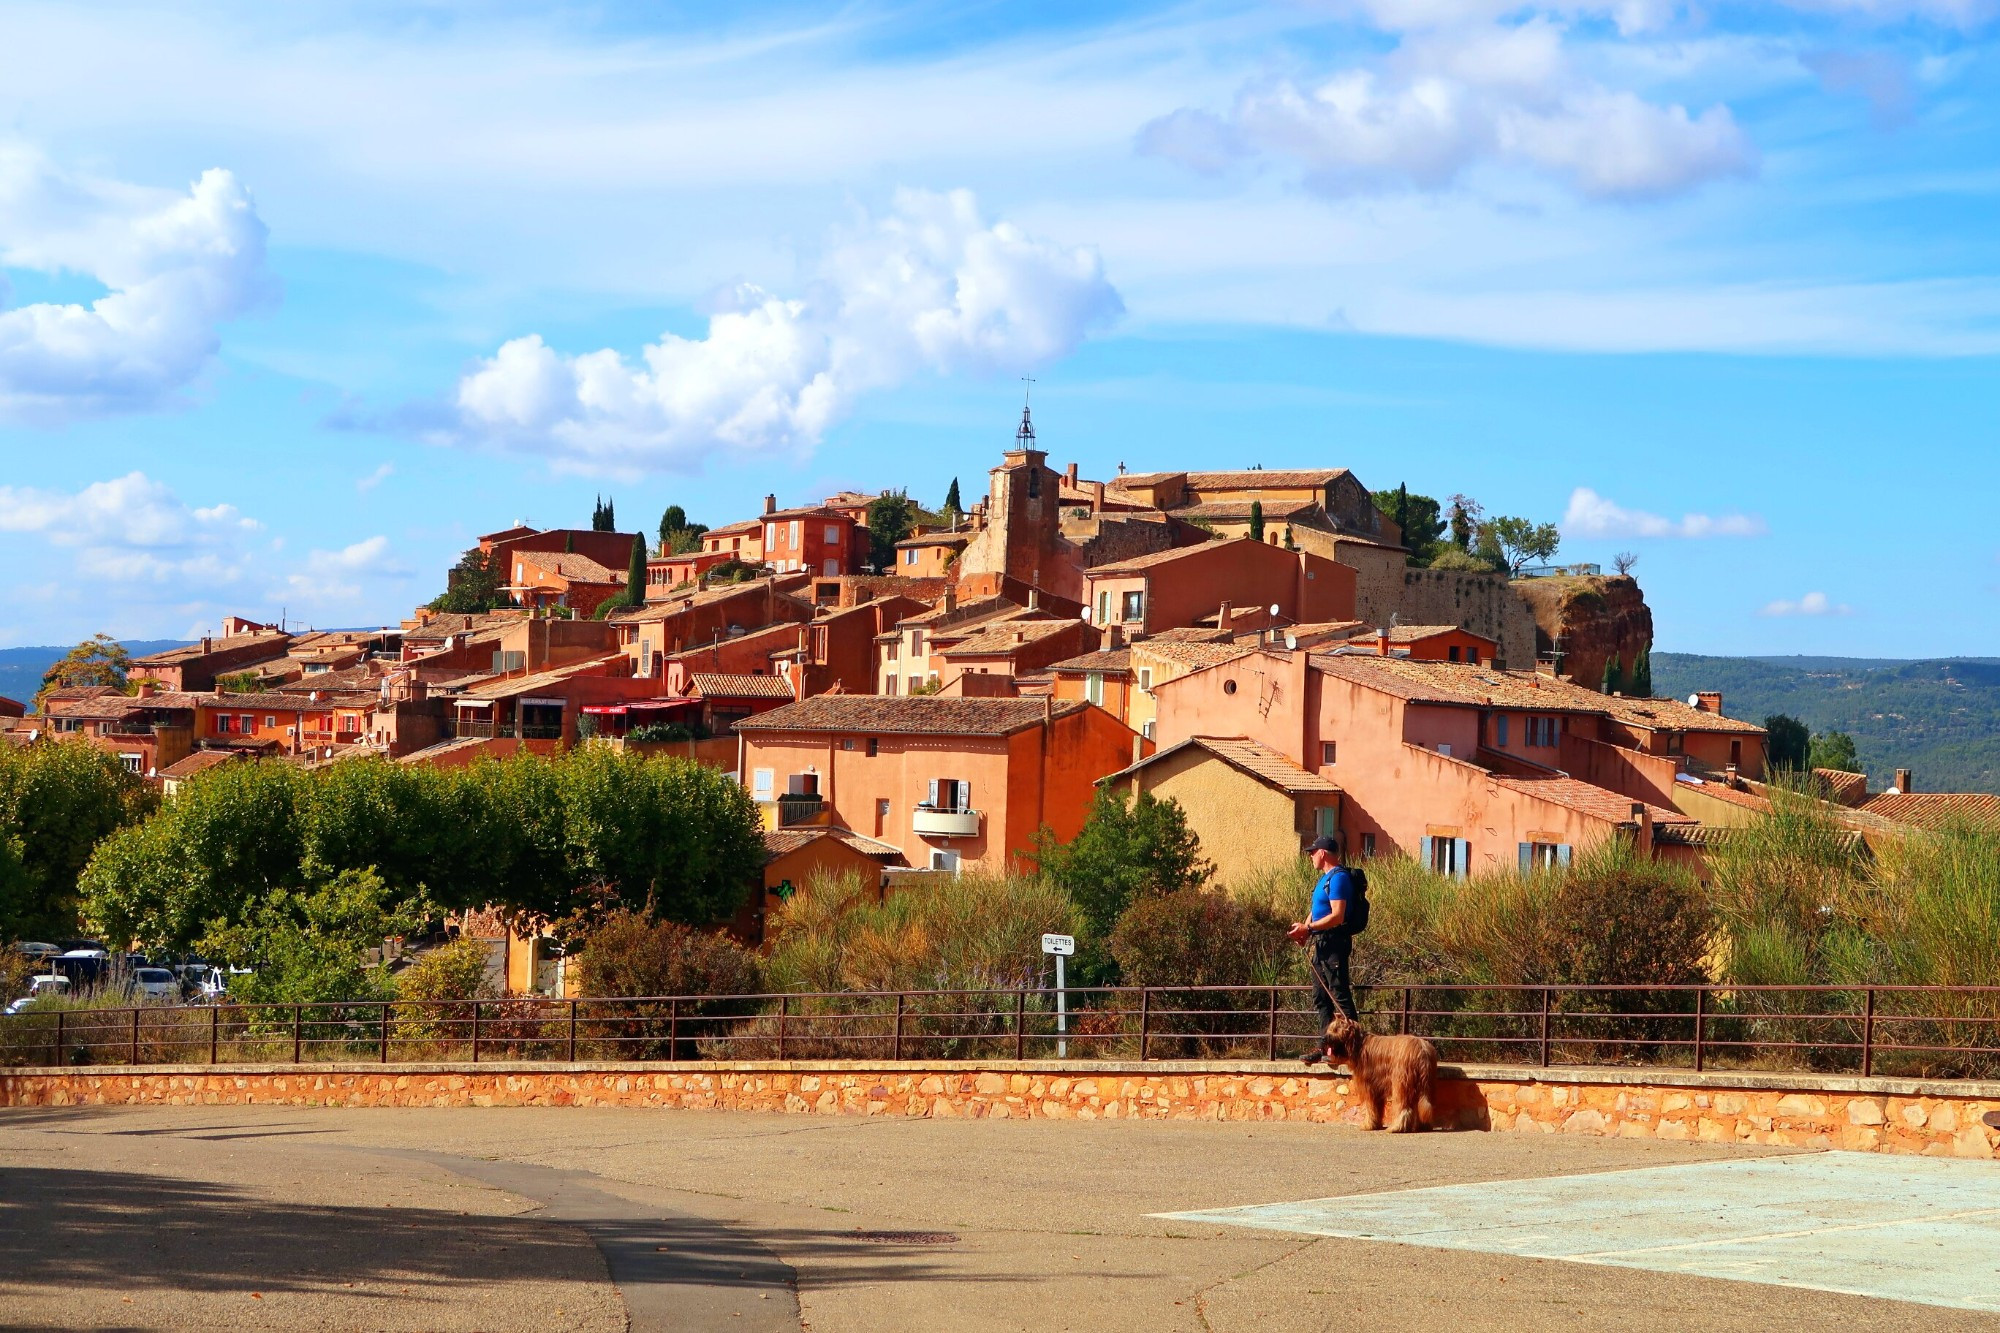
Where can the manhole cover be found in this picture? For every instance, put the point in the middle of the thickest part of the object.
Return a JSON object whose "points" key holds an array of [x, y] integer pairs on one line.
{"points": [[908, 1237]]}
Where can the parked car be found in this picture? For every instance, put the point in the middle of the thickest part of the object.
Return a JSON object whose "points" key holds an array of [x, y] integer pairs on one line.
{"points": [[155, 983], [38, 949], [40, 988]]}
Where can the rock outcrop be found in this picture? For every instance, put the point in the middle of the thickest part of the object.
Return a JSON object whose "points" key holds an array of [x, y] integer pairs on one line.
{"points": [[1586, 621]]}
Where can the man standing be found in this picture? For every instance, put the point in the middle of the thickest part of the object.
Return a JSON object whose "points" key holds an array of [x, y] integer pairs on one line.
{"points": [[1328, 931]]}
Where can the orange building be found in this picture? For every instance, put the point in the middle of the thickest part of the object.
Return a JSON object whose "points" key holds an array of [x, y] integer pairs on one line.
{"points": [[1012, 648], [1468, 768], [933, 555], [541, 579], [1178, 588], [1103, 678], [1422, 643], [667, 573], [736, 541], [816, 539], [949, 782], [293, 722]]}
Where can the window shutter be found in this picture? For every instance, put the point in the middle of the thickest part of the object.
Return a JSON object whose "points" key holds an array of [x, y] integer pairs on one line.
{"points": [[1527, 857], [1425, 855], [1562, 854], [933, 801], [964, 794], [1463, 857]]}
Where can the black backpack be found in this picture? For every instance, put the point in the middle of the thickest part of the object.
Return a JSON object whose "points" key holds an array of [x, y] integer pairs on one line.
{"points": [[1357, 907]]}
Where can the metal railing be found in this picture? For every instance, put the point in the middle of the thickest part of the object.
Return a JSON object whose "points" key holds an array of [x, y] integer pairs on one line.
{"points": [[1934, 1032]]}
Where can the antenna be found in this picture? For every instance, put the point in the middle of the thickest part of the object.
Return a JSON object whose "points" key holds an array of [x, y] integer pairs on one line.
{"points": [[1028, 394]]}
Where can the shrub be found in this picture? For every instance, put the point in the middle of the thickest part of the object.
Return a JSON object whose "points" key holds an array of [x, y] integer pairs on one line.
{"points": [[1127, 848], [1199, 937], [446, 979], [627, 955], [311, 946]]}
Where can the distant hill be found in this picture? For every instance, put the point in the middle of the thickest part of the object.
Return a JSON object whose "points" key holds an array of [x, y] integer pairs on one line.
{"points": [[21, 669], [1939, 717]]}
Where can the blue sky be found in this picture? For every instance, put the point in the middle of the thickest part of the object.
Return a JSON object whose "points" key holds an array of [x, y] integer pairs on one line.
{"points": [[295, 300]]}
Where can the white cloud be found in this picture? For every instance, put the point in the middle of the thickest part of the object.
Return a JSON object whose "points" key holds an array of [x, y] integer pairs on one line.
{"points": [[1459, 90], [375, 478], [929, 288], [133, 529], [335, 576], [1812, 604], [1592, 515], [174, 266]]}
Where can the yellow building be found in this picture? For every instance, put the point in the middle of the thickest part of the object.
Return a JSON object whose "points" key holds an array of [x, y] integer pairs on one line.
{"points": [[1251, 807]]}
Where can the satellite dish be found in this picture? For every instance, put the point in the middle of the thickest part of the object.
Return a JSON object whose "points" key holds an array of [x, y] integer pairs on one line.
{"points": [[1292, 642], [1274, 608], [1694, 701]]}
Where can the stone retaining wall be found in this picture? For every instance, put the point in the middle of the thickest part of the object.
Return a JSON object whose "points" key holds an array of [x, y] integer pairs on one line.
{"points": [[1868, 1115]]}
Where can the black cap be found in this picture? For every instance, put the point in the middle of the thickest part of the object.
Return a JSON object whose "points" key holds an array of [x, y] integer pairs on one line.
{"points": [[1331, 846]]}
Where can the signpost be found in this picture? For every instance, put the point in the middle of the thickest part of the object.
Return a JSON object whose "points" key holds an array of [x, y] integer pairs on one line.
{"points": [[1062, 946]]}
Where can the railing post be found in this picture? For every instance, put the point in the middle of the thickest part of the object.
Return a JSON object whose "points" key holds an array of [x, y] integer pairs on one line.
{"points": [[1403, 1018], [572, 1032], [214, 1031], [60, 1043], [1271, 1027], [1145, 1018], [1868, 1033], [135, 1036], [1021, 1024], [784, 1012], [385, 1032], [298, 1031], [674, 1028], [475, 1032], [896, 1043], [1700, 1023], [1544, 1042]]}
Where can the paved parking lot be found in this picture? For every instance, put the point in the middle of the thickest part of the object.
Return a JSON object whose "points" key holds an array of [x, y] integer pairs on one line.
{"points": [[565, 1218]]}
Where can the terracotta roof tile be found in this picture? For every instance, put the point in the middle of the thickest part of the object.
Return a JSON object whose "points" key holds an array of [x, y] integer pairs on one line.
{"points": [[576, 568], [1005, 638], [1935, 809], [1480, 686], [1115, 659], [199, 762], [194, 651], [507, 687], [1190, 654], [1581, 796], [920, 715], [1146, 563], [726, 685], [1255, 758], [1246, 479], [783, 842]]}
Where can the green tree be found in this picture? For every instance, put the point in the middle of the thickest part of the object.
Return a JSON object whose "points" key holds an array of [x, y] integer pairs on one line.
{"points": [[1788, 742], [603, 517], [1614, 678], [58, 800], [569, 543], [952, 505], [1125, 850], [635, 575], [1642, 674], [472, 586], [240, 682], [1519, 541], [678, 536], [311, 946], [1256, 520], [1835, 750], [98, 660], [1464, 520], [1419, 517], [890, 519]]}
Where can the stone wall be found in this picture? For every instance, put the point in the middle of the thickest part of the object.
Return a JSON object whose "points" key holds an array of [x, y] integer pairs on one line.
{"points": [[1483, 603], [1795, 1110]]}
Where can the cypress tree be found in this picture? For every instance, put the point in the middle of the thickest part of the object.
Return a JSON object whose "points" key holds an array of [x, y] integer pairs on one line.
{"points": [[1642, 673], [635, 574], [1402, 514], [610, 518], [1613, 676], [597, 515], [569, 543], [1256, 520], [951, 504]]}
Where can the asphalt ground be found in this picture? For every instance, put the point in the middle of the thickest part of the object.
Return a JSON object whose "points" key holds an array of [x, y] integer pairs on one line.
{"points": [[253, 1217]]}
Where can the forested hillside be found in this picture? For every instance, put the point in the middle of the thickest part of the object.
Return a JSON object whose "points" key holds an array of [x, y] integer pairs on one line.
{"points": [[21, 668], [1939, 717]]}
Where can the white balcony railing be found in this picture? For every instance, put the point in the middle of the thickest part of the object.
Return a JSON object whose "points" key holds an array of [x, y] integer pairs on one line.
{"points": [[945, 823]]}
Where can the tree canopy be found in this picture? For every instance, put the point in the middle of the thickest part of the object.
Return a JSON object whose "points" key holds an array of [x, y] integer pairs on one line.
{"points": [[1787, 741], [679, 535], [98, 660], [1518, 541], [890, 519], [57, 800], [603, 517], [1835, 750], [1420, 517], [1125, 849], [472, 586]]}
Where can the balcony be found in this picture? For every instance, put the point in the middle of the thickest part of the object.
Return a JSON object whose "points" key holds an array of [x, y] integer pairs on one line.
{"points": [[939, 823], [799, 811]]}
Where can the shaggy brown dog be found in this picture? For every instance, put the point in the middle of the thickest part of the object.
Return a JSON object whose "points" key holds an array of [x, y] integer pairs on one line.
{"points": [[1395, 1070]]}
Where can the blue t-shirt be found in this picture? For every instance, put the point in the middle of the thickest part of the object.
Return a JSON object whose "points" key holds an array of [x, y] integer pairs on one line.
{"points": [[1336, 885]]}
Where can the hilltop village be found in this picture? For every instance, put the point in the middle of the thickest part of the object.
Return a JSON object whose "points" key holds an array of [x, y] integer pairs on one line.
{"points": [[1256, 645]]}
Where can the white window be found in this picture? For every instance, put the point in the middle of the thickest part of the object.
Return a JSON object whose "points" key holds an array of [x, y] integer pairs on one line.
{"points": [[798, 540], [246, 723], [1146, 730], [770, 534], [1135, 606], [134, 763], [910, 556], [916, 683], [951, 796], [1104, 608], [224, 724], [1448, 856], [1444, 749], [1093, 687], [1326, 754], [833, 534], [760, 783], [830, 568], [270, 721], [1368, 844], [889, 684], [1146, 679], [942, 860], [1500, 730]]}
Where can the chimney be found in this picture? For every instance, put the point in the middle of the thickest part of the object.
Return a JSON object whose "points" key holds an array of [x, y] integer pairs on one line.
{"points": [[950, 602], [145, 690], [1020, 636], [770, 504], [207, 644], [1905, 781], [1070, 476], [1709, 701], [1729, 776], [1382, 641], [1035, 594], [1222, 617]]}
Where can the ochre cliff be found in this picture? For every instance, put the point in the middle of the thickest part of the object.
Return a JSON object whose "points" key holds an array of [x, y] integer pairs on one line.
{"points": [[1589, 619]]}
